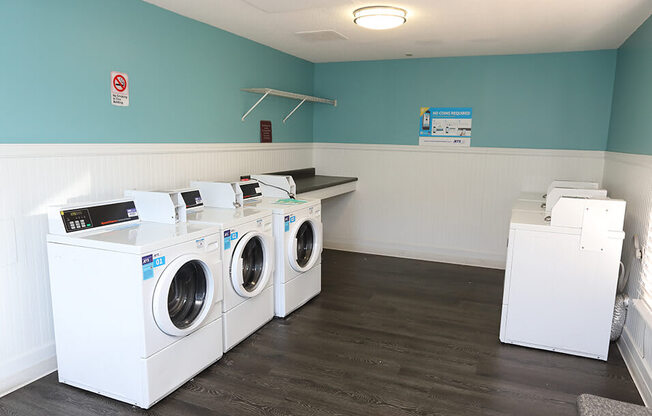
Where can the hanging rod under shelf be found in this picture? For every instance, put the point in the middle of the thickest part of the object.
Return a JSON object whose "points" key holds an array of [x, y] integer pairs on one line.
{"points": [[302, 97]]}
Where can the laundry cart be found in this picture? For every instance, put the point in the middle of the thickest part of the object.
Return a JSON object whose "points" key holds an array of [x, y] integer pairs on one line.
{"points": [[561, 276]]}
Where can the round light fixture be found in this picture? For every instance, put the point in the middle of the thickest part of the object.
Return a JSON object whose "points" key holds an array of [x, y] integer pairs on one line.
{"points": [[379, 17]]}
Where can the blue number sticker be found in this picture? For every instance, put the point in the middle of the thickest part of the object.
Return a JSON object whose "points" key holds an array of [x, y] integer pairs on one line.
{"points": [[234, 236], [159, 261], [293, 218]]}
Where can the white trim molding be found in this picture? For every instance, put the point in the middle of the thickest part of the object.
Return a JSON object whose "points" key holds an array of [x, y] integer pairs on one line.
{"points": [[637, 368], [630, 158], [421, 252], [106, 149], [633, 349], [26, 368], [593, 154]]}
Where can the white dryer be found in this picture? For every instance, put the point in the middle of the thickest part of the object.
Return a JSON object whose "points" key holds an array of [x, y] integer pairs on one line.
{"points": [[136, 305]]}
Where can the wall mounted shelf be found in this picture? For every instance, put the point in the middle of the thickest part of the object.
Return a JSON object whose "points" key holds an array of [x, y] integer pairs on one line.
{"points": [[294, 96]]}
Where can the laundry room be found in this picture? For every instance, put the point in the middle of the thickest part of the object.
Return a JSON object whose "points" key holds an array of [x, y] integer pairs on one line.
{"points": [[319, 207]]}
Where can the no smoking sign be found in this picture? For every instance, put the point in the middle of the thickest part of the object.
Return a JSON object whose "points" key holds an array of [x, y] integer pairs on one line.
{"points": [[119, 89]]}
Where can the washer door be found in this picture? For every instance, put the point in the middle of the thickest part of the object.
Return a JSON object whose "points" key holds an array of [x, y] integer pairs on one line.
{"points": [[305, 244], [183, 295], [251, 264]]}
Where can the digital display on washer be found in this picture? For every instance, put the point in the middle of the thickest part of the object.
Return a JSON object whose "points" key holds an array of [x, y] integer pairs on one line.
{"points": [[98, 216], [192, 199], [250, 190]]}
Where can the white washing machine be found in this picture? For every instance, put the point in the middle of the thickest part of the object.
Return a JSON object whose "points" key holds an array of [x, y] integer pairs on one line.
{"points": [[298, 240], [544, 201], [137, 305], [247, 259], [298, 233], [247, 255], [248, 267], [561, 276]]}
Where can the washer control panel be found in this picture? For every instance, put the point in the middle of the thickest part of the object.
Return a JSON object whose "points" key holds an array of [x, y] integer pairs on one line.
{"points": [[86, 218], [76, 220]]}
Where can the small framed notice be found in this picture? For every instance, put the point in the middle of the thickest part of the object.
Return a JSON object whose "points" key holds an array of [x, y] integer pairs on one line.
{"points": [[119, 89], [265, 131]]}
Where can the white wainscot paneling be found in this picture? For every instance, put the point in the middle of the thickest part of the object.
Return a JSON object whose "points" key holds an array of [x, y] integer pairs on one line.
{"points": [[629, 177], [442, 204], [33, 177]]}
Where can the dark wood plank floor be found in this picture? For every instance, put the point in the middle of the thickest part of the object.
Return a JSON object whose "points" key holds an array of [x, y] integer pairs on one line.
{"points": [[386, 336]]}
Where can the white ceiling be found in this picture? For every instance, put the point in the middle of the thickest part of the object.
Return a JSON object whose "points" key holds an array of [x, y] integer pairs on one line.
{"points": [[434, 28]]}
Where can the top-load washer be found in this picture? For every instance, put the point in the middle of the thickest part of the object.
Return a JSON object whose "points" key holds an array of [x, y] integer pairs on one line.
{"points": [[136, 305], [544, 202], [298, 233], [561, 276], [247, 255]]}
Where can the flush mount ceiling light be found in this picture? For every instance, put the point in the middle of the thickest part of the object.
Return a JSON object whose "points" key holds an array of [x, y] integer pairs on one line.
{"points": [[379, 17]]}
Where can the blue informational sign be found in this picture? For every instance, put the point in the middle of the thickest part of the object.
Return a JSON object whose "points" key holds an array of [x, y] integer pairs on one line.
{"points": [[227, 239], [445, 125], [148, 267]]}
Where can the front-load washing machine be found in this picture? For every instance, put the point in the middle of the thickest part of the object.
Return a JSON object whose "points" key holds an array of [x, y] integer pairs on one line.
{"points": [[298, 233], [248, 267], [247, 255], [298, 239], [137, 306]]}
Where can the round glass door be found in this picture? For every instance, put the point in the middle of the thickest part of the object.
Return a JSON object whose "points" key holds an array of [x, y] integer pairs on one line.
{"points": [[305, 243], [253, 262], [304, 246], [250, 268], [183, 295], [187, 294]]}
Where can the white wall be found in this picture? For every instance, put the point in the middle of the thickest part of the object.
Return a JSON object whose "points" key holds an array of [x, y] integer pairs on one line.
{"points": [[629, 177], [33, 177], [443, 204]]}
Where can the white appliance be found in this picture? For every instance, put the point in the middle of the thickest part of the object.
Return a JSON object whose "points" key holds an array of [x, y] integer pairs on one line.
{"points": [[535, 201], [136, 305], [561, 276], [554, 195], [247, 257], [298, 233], [541, 196], [298, 242]]}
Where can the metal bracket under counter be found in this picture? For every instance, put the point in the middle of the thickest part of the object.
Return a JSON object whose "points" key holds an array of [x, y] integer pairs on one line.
{"points": [[311, 185]]}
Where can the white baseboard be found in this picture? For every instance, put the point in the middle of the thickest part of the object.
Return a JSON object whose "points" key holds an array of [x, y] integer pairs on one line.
{"points": [[27, 368], [639, 370], [438, 254]]}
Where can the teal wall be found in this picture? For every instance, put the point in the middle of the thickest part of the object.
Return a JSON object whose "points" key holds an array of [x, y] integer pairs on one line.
{"points": [[552, 101], [185, 76], [631, 117]]}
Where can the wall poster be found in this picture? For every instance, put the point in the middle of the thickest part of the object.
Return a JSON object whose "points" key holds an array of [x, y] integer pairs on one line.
{"points": [[445, 126]]}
